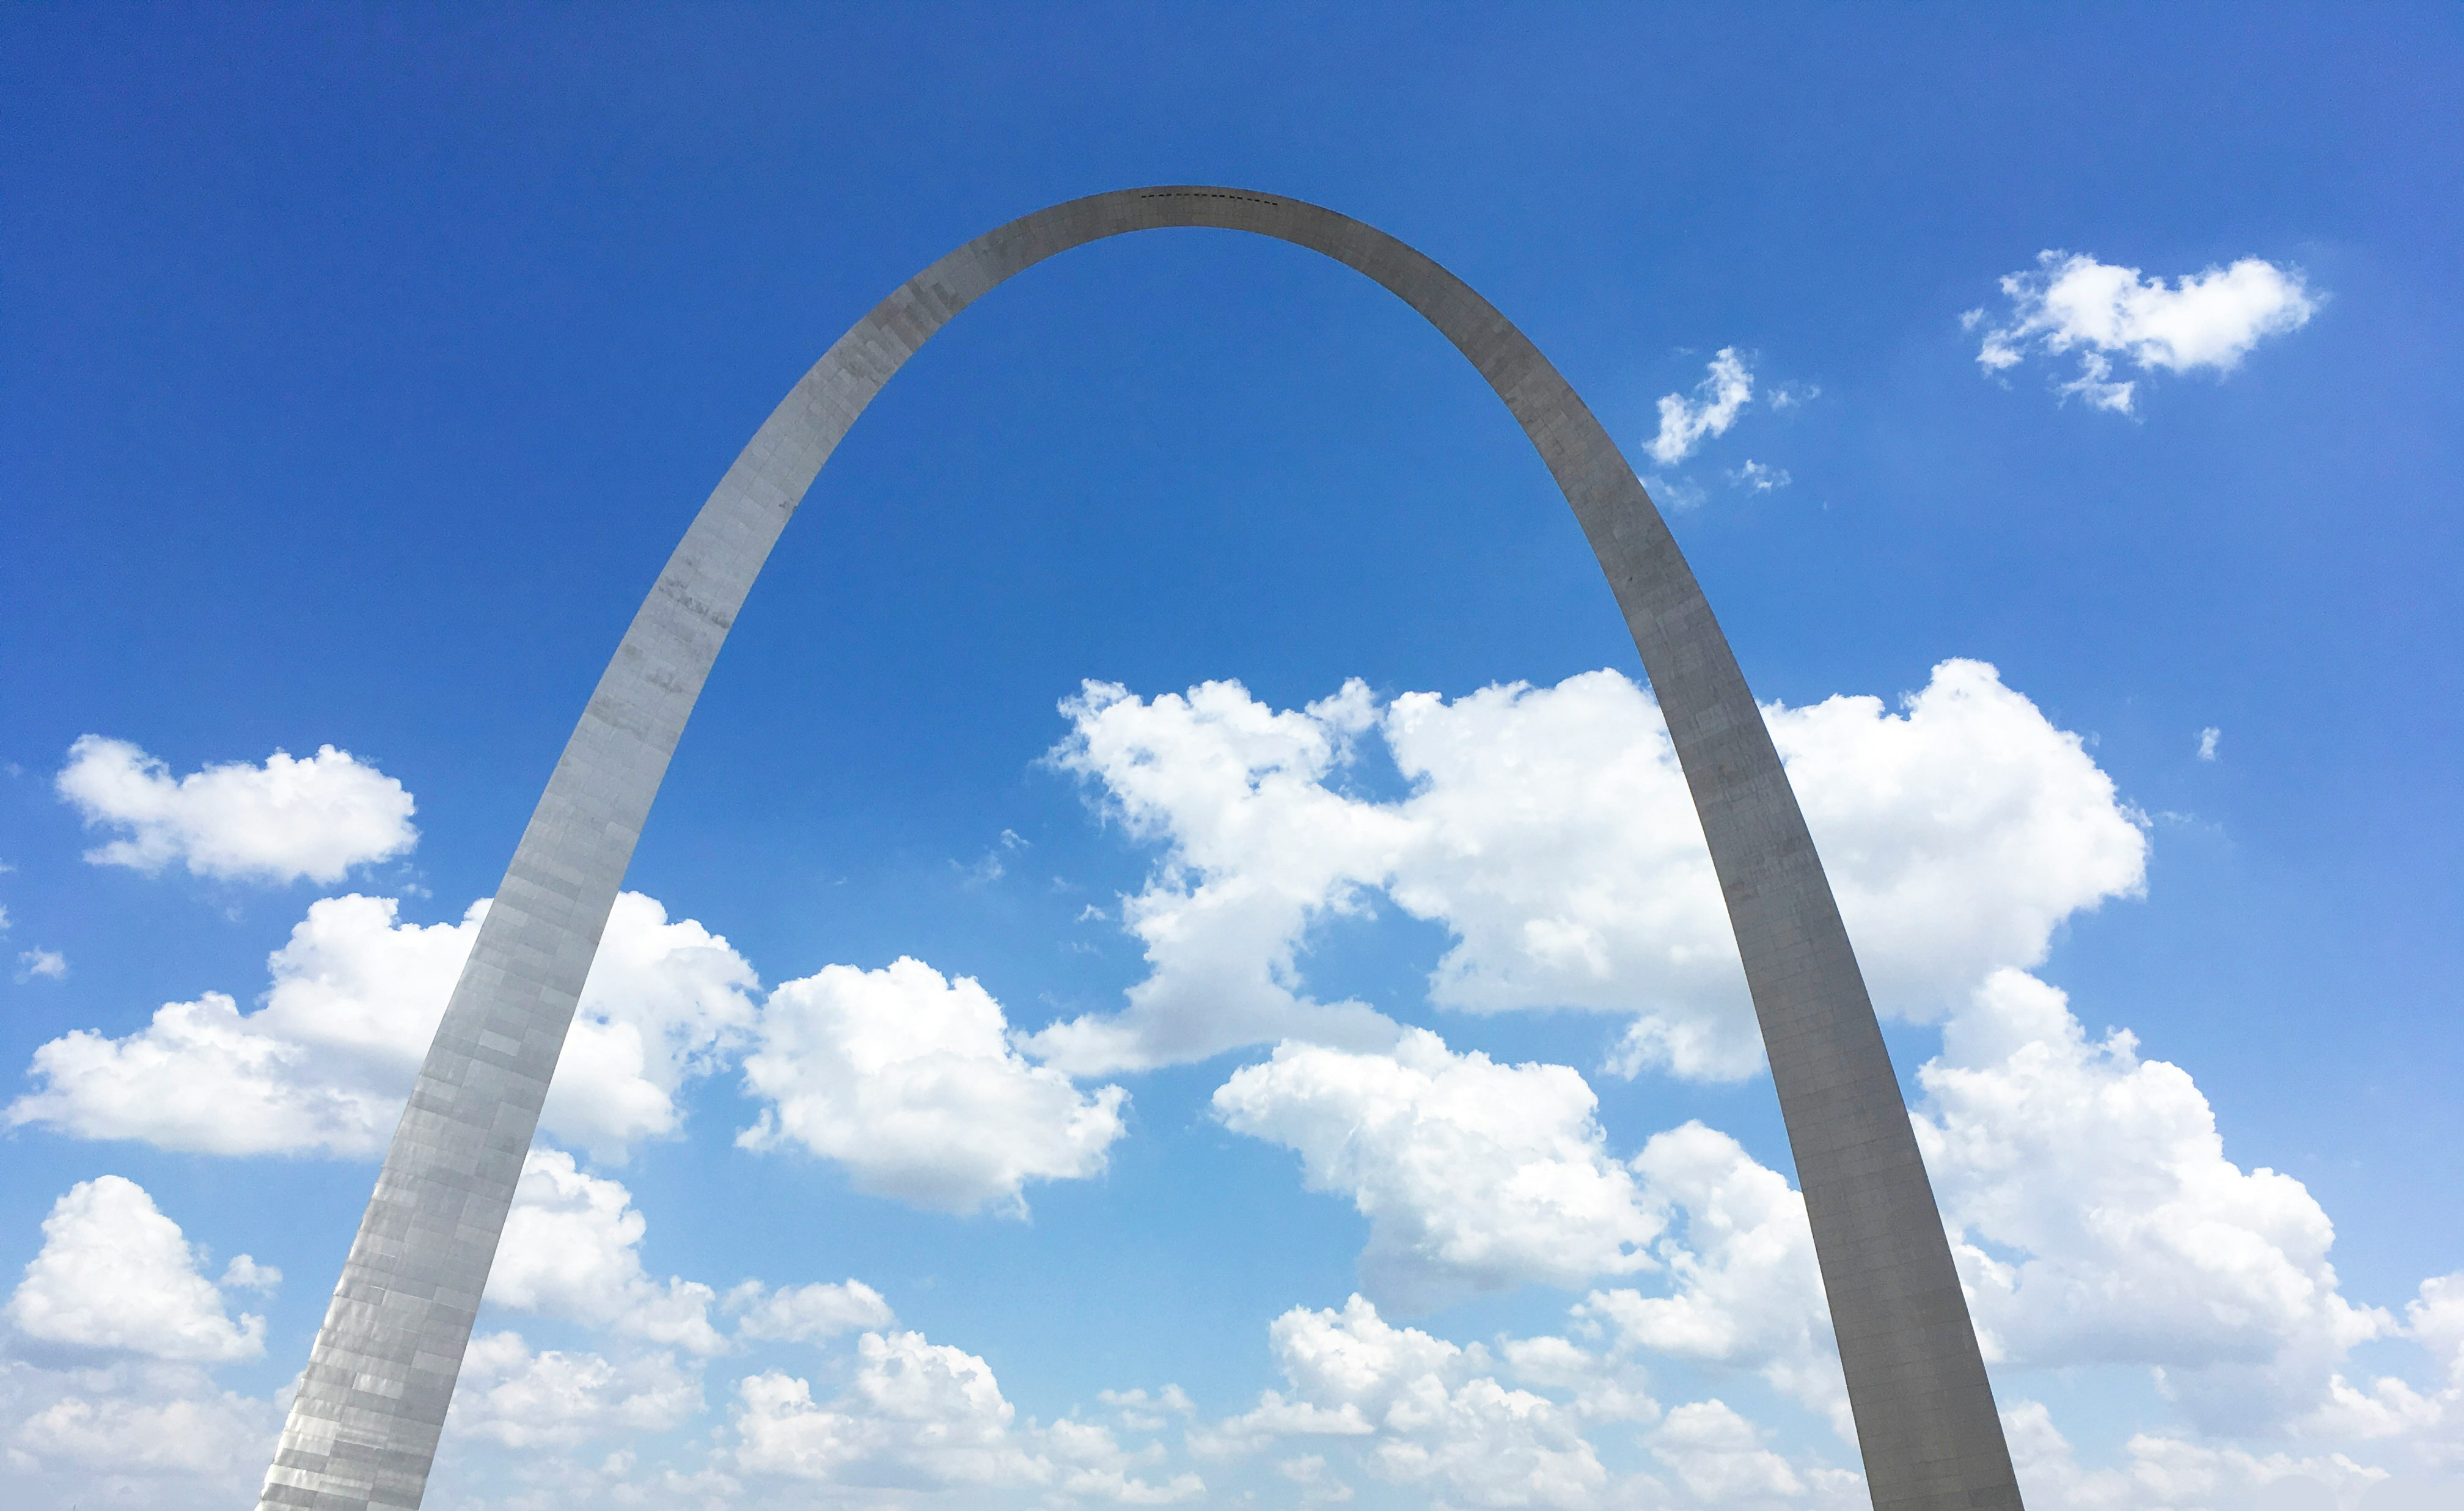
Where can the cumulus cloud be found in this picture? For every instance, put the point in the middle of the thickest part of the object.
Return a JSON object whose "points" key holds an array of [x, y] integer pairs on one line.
{"points": [[1412, 1408], [1417, 1409], [105, 1392], [130, 1433], [324, 1064], [2209, 319], [116, 1274], [2208, 738], [1724, 390], [1959, 832], [812, 1313], [2100, 1220], [1259, 846], [280, 822], [572, 1248], [2167, 1472], [2096, 1220], [920, 1415], [1744, 1290], [2431, 1421], [1718, 1457], [1550, 832], [1473, 1175], [907, 1079], [510, 1395], [1601, 1387]]}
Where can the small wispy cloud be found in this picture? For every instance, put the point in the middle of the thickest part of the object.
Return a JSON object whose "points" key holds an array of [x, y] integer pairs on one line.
{"points": [[991, 868], [2208, 738], [1674, 492], [48, 964], [1789, 395], [1724, 392], [1759, 476], [2072, 302]]}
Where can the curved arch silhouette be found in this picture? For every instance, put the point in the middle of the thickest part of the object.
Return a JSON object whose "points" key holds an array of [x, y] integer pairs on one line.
{"points": [[362, 1431]]}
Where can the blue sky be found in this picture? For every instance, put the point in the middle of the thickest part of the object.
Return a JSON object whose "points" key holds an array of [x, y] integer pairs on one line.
{"points": [[358, 367]]}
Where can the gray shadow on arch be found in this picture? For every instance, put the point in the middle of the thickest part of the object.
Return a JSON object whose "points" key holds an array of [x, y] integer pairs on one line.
{"points": [[363, 1432]]}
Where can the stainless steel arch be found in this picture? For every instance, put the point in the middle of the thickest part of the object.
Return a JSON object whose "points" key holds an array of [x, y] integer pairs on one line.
{"points": [[364, 1430]]}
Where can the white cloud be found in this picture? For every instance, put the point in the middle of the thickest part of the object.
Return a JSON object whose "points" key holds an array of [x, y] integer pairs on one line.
{"points": [[1473, 1175], [2097, 384], [125, 1432], [2207, 319], [1318, 1486], [664, 1003], [510, 1395], [571, 1248], [907, 1079], [1404, 1406], [103, 1394], [2101, 1221], [2432, 1424], [1745, 1291], [1675, 494], [1601, 1387], [1417, 1409], [1724, 390], [920, 1415], [323, 1066], [1549, 830], [48, 964], [2096, 1219], [1490, 1445], [1959, 833], [244, 1274], [2208, 738], [277, 823], [1719, 1457], [2437, 1320], [1258, 848], [1759, 476], [1141, 1411], [812, 1313], [1090, 1462], [944, 1398], [2162, 1472], [115, 1273]]}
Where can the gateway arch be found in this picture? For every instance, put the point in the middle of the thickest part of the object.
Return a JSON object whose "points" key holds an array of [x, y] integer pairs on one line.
{"points": [[363, 1432]]}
